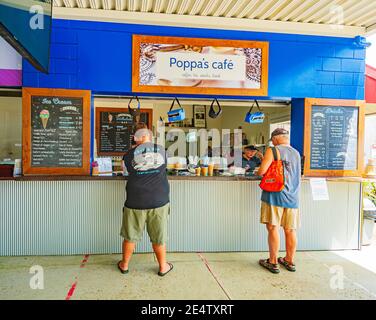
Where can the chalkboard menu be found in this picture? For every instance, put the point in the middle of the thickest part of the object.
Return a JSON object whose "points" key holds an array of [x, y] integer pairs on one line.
{"points": [[56, 131], [115, 130], [333, 137]]}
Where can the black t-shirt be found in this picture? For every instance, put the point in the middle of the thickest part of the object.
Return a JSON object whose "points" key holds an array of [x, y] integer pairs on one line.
{"points": [[147, 186]]}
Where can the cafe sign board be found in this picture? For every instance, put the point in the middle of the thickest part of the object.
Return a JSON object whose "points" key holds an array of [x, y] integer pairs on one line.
{"points": [[56, 131], [333, 138], [199, 66]]}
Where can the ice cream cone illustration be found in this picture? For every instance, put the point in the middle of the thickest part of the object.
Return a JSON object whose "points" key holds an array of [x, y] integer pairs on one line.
{"points": [[44, 115]]}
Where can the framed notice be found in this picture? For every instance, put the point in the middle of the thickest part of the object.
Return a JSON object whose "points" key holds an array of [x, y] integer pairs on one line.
{"points": [[199, 116], [114, 129], [199, 66], [55, 131], [333, 137]]}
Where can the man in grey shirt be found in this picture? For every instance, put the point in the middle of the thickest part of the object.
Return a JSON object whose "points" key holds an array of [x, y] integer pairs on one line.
{"points": [[281, 208]]}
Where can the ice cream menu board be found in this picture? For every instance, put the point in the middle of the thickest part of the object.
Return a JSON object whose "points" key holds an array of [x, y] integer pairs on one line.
{"points": [[333, 137], [56, 131], [114, 130]]}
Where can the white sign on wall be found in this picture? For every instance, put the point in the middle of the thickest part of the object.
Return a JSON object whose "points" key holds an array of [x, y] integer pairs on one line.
{"points": [[10, 66], [9, 58], [179, 65]]}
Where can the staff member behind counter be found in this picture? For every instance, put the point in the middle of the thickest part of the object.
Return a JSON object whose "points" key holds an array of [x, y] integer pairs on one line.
{"points": [[251, 158]]}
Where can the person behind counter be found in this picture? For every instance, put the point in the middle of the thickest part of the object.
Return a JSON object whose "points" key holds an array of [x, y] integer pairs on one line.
{"points": [[251, 158], [147, 199], [281, 208]]}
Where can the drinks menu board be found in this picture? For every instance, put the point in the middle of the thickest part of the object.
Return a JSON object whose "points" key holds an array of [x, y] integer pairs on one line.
{"points": [[334, 138], [56, 131], [115, 129]]}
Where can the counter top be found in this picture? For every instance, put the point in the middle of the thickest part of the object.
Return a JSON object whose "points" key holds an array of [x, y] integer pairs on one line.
{"points": [[171, 178], [103, 178]]}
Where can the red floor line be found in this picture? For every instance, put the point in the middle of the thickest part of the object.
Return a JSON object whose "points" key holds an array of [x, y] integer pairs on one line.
{"points": [[213, 274], [71, 291], [74, 285]]}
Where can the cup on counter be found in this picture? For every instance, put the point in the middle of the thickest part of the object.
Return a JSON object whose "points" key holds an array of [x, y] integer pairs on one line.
{"points": [[198, 171], [204, 171], [210, 169]]}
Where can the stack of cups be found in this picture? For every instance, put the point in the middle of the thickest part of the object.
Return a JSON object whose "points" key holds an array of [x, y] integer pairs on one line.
{"points": [[17, 168]]}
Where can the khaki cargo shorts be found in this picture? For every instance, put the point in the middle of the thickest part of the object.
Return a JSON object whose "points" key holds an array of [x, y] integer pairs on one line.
{"points": [[278, 216], [134, 221]]}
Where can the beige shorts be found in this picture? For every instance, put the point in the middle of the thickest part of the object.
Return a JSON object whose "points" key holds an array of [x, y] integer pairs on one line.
{"points": [[278, 216], [134, 222]]}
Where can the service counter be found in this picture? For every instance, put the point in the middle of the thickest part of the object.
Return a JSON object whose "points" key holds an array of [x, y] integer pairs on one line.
{"points": [[68, 215]]}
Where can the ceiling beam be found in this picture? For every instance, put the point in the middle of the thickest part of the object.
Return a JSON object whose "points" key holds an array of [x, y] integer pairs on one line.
{"points": [[246, 10], [120, 5], [209, 22], [95, 4], [172, 5], [298, 10], [209, 7], [310, 10], [371, 30], [197, 7], [235, 8], [222, 8], [292, 4], [263, 6], [273, 8], [363, 14], [183, 9], [158, 6]]}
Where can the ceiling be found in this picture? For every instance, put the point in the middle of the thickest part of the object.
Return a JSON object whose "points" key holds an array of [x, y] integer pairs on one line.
{"points": [[346, 18]]}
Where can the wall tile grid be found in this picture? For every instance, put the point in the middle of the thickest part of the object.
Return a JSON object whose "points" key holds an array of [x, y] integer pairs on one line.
{"points": [[341, 73], [97, 56], [64, 64]]}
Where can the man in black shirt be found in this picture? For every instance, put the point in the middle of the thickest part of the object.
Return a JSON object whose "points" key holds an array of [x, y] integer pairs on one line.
{"points": [[147, 199]]}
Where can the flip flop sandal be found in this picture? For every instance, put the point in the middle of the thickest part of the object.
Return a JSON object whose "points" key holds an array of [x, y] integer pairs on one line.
{"points": [[273, 268], [122, 270], [161, 274], [287, 265]]}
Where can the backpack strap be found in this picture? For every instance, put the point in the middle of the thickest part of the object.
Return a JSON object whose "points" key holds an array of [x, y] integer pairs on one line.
{"points": [[275, 154]]}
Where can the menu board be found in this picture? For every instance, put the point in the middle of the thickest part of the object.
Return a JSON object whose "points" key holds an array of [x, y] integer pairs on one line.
{"points": [[56, 131], [334, 138], [115, 130]]}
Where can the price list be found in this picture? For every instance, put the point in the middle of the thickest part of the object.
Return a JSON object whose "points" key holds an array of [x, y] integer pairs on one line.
{"points": [[334, 136], [56, 132]]}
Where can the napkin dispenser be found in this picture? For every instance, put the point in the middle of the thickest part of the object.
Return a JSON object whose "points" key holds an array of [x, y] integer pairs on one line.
{"points": [[176, 114]]}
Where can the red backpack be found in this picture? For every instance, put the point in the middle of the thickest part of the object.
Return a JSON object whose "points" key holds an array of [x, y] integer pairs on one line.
{"points": [[274, 179]]}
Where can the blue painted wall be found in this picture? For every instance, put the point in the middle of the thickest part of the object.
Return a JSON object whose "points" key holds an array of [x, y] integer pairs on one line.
{"points": [[97, 56], [297, 124]]}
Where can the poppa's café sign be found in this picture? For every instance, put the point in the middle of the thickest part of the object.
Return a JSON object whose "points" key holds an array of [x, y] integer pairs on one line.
{"points": [[199, 66]]}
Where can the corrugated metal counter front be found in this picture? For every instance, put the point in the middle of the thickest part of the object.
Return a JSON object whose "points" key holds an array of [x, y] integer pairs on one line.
{"points": [[77, 216]]}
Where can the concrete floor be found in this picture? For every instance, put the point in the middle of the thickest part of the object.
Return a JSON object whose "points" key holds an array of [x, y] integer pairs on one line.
{"points": [[320, 275]]}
